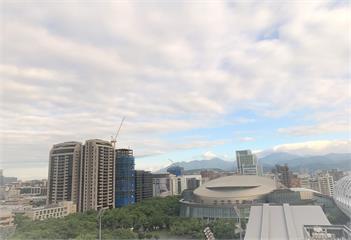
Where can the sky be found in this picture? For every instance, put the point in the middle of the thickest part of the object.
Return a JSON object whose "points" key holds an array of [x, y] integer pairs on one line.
{"points": [[194, 79]]}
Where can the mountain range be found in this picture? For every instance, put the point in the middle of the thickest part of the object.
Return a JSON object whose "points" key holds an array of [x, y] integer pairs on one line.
{"points": [[295, 162]]}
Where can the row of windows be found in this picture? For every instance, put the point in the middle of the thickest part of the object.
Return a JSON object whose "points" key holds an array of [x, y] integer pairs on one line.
{"points": [[49, 211]]}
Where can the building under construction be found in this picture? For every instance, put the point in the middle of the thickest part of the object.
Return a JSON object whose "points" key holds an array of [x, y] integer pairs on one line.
{"points": [[125, 188]]}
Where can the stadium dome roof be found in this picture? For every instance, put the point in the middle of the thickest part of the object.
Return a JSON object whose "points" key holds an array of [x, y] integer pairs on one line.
{"points": [[236, 187]]}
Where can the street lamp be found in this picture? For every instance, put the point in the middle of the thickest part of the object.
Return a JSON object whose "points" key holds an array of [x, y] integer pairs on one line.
{"points": [[101, 212], [237, 211]]}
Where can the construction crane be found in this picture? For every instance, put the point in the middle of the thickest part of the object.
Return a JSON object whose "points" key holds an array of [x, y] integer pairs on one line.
{"points": [[114, 139]]}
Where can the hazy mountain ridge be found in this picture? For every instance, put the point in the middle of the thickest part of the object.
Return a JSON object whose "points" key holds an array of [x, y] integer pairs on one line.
{"points": [[295, 162], [214, 163]]}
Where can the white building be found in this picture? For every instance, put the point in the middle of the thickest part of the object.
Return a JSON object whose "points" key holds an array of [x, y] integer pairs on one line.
{"points": [[326, 184], [59, 210], [169, 184], [184, 182]]}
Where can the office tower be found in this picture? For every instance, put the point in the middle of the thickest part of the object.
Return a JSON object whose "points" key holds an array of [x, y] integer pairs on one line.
{"points": [[125, 181], [326, 184], [176, 170], [246, 162], [284, 175], [143, 185], [97, 182], [162, 185], [63, 176]]}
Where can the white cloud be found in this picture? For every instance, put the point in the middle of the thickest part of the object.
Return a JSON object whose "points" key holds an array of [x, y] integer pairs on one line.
{"points": [[311, 147], [247, 139], [168, 67], [209, 155]]}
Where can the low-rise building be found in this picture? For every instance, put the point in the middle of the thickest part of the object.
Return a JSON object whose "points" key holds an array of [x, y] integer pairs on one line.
{"points": [[7, 226], [6, 218], [59, 210], [184, 182], [162, 185], [170, 185], [326, 232]]}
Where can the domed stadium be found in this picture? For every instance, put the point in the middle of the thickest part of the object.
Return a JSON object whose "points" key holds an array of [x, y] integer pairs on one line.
{"points": [[219, 198], [234, 189], [342, 195]]}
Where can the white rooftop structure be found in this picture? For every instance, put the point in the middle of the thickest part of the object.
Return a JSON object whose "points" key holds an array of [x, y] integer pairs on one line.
{"points": [[342, 195], [235, 188], [283, 221], [300, 189]]}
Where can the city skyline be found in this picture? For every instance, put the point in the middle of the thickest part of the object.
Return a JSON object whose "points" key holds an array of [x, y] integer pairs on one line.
{"points": [[266, 77]]}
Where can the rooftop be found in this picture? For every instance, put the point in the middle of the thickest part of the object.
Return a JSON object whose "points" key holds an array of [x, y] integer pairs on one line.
{"points": [[283, 221], [236, 186]]}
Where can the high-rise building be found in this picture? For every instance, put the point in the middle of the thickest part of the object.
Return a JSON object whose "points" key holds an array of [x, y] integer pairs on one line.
{"points": [[326, 184], [125, 181], [246, 163], [284, 175], [63, 176], [143, 185], [97, 181]]}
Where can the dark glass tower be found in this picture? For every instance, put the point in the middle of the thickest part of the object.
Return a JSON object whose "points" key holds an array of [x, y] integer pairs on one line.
{"points": [[143, 185], [125, 188]]}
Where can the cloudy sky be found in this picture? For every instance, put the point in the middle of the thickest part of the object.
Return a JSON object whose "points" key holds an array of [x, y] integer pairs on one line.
{"points": [[194, 79]]}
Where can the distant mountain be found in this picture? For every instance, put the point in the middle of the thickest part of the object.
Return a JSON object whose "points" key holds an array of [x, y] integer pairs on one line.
{"points": [[276, 157], [311, 163], [214, 163], [295, 162]]}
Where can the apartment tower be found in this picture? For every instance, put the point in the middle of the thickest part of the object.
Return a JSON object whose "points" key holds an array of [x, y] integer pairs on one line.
{"points": [[97, 178], [63, 176]]}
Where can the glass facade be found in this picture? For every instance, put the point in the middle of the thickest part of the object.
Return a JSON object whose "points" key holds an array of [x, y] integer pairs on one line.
{"points": [[125, 179]]}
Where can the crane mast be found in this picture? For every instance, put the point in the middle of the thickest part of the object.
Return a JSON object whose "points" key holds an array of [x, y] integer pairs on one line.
{"points": [[114, 139]]}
